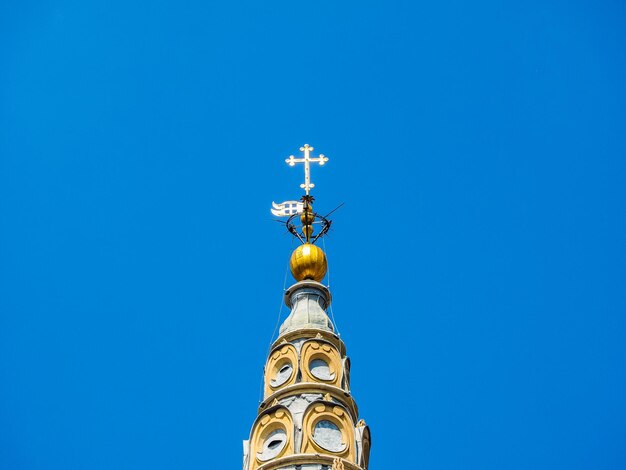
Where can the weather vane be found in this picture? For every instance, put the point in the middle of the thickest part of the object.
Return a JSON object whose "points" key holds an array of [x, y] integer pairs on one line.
{"points": [[304, 207]]}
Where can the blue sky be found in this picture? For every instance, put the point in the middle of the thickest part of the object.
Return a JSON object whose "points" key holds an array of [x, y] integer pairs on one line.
{"points": [[477, 266]]}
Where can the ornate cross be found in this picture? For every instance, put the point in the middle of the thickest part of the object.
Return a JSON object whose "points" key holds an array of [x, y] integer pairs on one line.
{"points": [[307, 185]]}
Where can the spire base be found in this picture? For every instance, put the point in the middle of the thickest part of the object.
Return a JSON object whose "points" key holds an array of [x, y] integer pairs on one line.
{"points": [[308, 301]]}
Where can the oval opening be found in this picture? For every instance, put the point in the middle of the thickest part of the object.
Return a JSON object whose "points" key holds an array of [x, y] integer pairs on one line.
{"points": [[328, 436], [320, 369], [275, 443], [282, 375]]}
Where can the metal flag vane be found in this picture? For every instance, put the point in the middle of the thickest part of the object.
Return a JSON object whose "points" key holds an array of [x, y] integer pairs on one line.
{"points": [[307, 159]]}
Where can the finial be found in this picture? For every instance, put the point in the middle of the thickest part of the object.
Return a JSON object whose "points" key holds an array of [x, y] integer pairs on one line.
{"points": [[306, 149], [307, 261], [308, 217]]}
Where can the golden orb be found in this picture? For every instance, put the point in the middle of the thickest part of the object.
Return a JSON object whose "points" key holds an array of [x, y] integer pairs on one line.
{"points": [[308, 262]]}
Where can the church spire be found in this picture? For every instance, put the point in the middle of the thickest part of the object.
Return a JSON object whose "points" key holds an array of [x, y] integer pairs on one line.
{"points": [[308, 419]]}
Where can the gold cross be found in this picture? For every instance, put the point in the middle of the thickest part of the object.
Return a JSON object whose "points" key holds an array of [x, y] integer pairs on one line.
{"points": [[307, 185]]}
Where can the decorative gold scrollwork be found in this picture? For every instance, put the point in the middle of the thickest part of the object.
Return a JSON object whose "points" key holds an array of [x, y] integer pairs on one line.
{"points": [[281, 369], [321, 362], [272, 437], [328, 429], [338, 464]]}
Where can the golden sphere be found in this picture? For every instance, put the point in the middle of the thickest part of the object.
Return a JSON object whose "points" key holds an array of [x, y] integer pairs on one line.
{"points": [[308, 262]]}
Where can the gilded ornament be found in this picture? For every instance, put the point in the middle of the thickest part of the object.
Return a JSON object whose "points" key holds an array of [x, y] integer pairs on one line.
{"points": [[338, 464], [308, 262]]}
